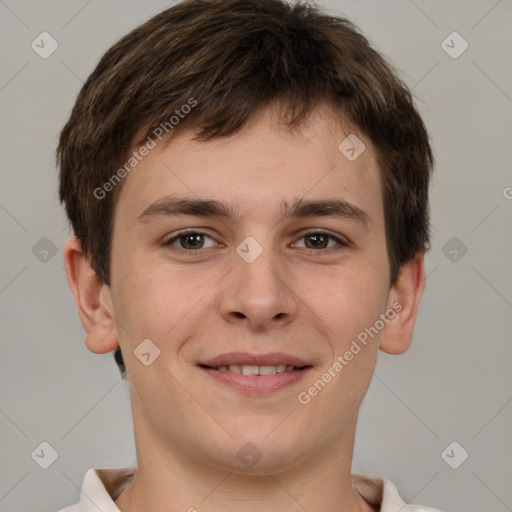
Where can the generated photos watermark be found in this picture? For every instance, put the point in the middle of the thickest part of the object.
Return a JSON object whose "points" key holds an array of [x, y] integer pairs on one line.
{"points": [[341, 361], [142, 151]]}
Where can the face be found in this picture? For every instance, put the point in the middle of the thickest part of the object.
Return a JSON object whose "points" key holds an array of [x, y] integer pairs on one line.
{"points": [[267, 289]]}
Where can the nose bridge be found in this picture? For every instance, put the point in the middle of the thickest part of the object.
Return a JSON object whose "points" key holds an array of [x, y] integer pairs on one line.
{"points": [[258, 291], [258, 267]]}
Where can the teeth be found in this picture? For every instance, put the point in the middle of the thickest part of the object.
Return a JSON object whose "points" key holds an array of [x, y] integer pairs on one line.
{"points": [[267, 370], [247, 369], [250, 370]]}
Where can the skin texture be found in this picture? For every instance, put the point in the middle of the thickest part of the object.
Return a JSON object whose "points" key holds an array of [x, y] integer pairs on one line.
{"points": [[294, 298]]}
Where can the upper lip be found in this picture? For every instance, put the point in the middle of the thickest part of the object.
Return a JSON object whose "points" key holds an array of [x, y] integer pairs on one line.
{"points": [[245, 358]]}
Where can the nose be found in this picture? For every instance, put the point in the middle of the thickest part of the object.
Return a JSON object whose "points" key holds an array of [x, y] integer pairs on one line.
{"points": [[258, 293]]}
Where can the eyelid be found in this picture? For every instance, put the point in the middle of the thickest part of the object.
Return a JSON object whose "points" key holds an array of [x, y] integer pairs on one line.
{"points": [[321, 231], [342, 241]]}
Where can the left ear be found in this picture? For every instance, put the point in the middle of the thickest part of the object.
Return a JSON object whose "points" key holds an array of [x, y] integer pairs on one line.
{"points": [[404, 299]]}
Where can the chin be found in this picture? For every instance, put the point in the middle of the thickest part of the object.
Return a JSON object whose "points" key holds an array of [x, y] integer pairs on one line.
{"points": [[258, 450]]}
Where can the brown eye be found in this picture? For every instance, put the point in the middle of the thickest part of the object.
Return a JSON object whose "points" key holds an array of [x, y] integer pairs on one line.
{"points": [[189, 241], [319, 241]]}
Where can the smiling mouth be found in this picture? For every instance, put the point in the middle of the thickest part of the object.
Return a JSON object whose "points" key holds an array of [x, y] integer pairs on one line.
{"points": [[256, 370]]}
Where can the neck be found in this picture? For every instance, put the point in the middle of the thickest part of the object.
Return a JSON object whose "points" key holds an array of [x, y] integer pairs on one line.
{"points": [[170, 480]]}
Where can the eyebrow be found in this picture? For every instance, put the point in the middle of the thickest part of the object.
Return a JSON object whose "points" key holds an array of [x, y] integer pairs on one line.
{"points": [[169, 206]]}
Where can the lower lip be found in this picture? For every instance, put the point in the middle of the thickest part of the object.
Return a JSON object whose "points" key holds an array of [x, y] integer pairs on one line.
{"points": [[258, 384]]}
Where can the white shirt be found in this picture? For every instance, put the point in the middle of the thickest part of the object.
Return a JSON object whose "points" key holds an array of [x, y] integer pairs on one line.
{"points": [[102, 486]]}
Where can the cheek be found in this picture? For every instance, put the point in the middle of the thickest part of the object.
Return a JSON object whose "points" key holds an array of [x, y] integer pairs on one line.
{"points": [[348, 302], [161, 302], [144, 306], [351, 309]]}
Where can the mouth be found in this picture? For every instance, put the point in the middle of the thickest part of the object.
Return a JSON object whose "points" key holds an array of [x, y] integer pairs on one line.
{"points": [[256, 374], [249, 369]]}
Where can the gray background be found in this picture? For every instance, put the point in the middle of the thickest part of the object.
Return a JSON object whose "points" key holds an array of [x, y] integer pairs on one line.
{"points": [[454, 384]]}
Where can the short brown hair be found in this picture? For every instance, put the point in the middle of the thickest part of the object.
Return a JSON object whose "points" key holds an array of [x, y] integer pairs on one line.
{"points": [[234, 57]]}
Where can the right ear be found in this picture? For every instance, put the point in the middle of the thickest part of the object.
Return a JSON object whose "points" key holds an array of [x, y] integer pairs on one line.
{"points": [[93, 299]]}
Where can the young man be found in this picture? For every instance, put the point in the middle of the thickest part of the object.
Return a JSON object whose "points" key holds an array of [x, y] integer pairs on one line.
{"points": [[247, 181]]}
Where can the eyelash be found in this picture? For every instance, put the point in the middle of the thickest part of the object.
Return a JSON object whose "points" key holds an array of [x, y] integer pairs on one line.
{"points": [[198, 252]]}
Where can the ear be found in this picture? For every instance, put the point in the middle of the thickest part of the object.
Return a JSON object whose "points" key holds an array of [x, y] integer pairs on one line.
{"points": [[404, 299], [93, 299]]}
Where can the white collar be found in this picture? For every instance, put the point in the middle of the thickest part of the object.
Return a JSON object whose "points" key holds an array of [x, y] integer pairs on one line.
{"points": [[101, 486]]}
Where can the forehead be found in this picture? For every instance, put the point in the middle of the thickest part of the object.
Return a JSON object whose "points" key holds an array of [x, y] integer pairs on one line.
{"points": [[262, 168]]}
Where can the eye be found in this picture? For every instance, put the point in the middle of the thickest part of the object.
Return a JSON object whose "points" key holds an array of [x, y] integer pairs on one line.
{"points": [[190, 241], [320, 240]]}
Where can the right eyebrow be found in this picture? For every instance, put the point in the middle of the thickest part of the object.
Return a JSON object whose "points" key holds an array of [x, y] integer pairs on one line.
{"points": [[173, 206]]}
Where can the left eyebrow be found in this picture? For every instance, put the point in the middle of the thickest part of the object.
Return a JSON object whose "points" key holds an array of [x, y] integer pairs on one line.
{"points": [[173, 206], [325, 208]]}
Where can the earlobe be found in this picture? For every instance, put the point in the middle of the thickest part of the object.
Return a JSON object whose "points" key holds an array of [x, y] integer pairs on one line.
{"points": [[93, 299], [404, 299]]}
